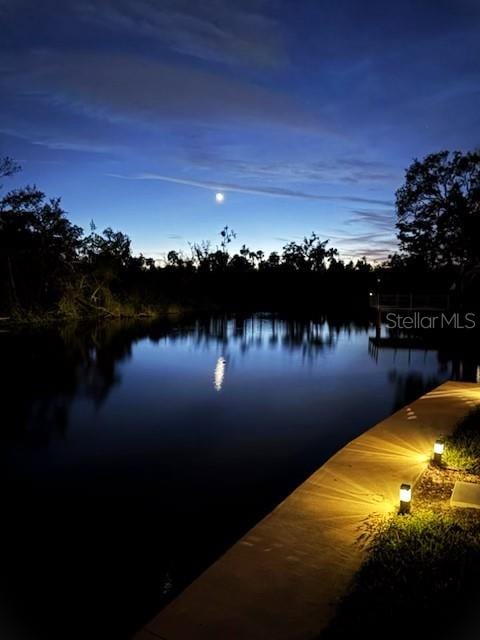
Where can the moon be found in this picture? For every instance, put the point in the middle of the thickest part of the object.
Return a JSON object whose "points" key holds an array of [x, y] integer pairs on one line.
{"points": [[219, 197]]}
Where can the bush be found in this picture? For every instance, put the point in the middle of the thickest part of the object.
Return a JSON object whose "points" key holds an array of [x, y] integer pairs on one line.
{"points": [[421, 571], [462, 450]]}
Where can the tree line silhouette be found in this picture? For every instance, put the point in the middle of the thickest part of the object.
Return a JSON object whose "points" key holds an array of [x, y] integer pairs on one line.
{"points": [[50, 266]]}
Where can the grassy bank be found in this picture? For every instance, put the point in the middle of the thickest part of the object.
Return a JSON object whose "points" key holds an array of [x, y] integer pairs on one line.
{"points": [[420, 577], [115, 310], [462, 449]]}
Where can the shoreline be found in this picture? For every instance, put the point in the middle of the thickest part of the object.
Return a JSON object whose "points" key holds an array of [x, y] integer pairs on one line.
{"points": [[284, 578]]}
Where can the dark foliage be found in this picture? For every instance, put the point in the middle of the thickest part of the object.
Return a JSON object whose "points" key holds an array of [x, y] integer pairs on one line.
{"points": [[438, 211], [419, 580], [38, 248], [49, 266]]}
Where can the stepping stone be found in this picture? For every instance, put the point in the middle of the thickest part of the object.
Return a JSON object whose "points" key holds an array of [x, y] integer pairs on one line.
{"points": [[466, 495]]}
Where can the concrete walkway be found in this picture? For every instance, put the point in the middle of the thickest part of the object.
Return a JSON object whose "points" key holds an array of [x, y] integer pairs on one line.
{"points": [[283, 579]]}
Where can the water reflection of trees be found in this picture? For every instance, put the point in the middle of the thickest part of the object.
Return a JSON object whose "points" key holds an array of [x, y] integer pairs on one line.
{"points": [[306, 336], [457, 359], [44, 371], [463, 364], [410, 386]]}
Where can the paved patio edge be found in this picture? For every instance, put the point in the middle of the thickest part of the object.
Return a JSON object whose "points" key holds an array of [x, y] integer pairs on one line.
{"points": [[284, 578]]}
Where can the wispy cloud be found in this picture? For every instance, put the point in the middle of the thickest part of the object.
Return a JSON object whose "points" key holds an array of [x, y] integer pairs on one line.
{"points": [[374, 244], [283, 240], [279, 192], [371, 253], [122, 88], [226, 32], [334, 170], [52, 135], [380, 220], [376, 240]]}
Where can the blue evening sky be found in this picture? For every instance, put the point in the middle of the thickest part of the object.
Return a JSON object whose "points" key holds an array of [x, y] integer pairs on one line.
{"points": [[303, 113]]}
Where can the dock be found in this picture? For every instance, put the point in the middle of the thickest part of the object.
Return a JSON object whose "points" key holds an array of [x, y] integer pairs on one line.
{"points": [[284, 579], [399, 302]]}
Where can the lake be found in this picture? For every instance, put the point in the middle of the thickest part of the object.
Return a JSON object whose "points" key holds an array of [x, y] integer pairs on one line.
{"points": [[134, 454]]}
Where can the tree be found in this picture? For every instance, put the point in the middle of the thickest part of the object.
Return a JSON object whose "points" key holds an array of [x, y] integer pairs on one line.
{"points": [[175, 259], [38, 247], [363, 266], [201, 255], [8, 167], [206, 260], [226, 235], [438, 210], [106, 259], [239, 264], [309, 255], [272, 262], [336, 266]]}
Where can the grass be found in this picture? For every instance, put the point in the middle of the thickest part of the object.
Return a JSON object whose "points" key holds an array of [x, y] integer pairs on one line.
{"points": [[421, 573], [462, 449]]}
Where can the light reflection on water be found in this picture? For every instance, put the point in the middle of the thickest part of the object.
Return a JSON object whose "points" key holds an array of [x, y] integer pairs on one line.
{"points": [[219, 373], [145, 449]]}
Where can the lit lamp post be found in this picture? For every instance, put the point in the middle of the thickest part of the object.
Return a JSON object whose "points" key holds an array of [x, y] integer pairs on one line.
{"points": [[438, 449], [405, 498]]}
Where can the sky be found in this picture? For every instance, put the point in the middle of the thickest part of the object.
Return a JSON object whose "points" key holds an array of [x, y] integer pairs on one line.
{"points": [[305, 114]]}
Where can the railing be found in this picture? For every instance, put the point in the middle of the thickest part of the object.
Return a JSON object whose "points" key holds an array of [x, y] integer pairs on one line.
{"points": [[409, 301]]}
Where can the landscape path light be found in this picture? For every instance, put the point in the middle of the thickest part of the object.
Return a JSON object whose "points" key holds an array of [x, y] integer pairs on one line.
{"points": [[438, 449], [405, 498]]}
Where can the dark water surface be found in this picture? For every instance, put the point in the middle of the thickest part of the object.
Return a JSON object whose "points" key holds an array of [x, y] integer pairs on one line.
{"points": [[132, 455]]}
